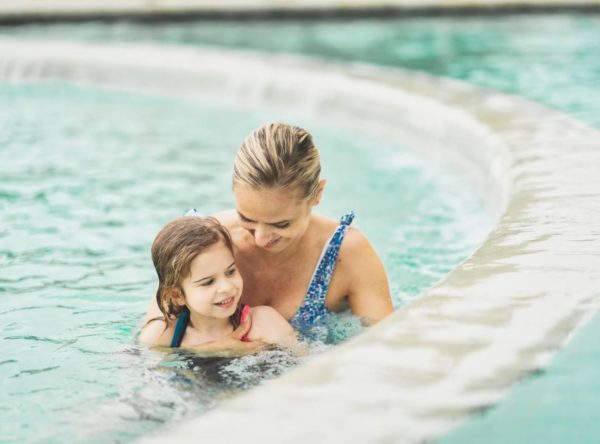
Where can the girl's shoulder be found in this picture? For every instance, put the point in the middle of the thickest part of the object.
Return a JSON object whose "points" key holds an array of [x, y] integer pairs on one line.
{"points": [[267, 324], [262, 313], [157, 332]]}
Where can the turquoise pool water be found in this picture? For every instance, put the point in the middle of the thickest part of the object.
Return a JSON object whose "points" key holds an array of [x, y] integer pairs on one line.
{"points": [[88, 178], [552, 59]]}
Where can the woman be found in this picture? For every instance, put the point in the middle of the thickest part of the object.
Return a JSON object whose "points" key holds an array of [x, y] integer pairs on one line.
{"points": [[300, 263]]}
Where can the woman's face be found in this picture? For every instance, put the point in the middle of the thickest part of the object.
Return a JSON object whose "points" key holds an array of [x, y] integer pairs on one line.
{"points": [[275, 217]]}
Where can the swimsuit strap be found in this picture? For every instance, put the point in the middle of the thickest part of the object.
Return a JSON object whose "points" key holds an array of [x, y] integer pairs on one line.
{"points": [[184, 319], [347, 218], [313, 307], [324, 271], [182, 323], [243, 316]]}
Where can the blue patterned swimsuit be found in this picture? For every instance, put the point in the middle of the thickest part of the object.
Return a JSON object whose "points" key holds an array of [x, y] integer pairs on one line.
{"points": [[313, 311]]}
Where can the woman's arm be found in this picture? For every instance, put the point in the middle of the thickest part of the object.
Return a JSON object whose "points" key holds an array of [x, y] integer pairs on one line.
{"points": [[368, 291], [227, 347], [232, 345]]}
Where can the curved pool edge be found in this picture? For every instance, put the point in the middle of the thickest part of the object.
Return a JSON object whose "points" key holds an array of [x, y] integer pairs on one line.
{"points": [[28, 11], [500, 315]]}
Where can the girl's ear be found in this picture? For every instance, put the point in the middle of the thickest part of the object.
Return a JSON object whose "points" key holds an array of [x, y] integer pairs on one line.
{"points": [[319, 192], [176, 296]]}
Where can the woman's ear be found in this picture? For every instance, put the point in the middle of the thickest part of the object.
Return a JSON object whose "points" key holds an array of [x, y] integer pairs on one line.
{"points": [[319, 191]]}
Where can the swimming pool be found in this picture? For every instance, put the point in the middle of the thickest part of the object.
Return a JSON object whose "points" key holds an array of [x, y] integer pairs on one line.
{"points": [[89, 177], [499, 71]]}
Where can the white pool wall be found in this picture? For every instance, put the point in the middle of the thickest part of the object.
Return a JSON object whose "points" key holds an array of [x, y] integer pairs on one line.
{"points": [[499, 316]]}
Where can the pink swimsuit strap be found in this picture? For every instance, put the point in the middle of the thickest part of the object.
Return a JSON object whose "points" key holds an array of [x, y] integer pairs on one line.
{"points": [[245, 313]]}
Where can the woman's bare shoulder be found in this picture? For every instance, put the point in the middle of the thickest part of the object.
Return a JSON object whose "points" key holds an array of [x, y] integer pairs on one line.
{"points": [[239, 236], [324, 226], [356, 252], [324, 220], [228, 218]]}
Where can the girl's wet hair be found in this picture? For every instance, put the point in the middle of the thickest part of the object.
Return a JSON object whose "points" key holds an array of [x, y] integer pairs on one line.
{"points": [[173, 251], [277, 155]]}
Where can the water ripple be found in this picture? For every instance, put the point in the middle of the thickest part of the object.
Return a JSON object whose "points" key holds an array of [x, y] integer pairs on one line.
{"points": [[33, 338], [34, 371], [37, 307]]}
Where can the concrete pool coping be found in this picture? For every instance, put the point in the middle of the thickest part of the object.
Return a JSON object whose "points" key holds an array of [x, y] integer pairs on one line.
{"points": [[24, 11], [497, 317]]}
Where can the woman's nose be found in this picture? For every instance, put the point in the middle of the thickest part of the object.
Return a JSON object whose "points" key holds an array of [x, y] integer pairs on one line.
{"points": [[262, 236]]}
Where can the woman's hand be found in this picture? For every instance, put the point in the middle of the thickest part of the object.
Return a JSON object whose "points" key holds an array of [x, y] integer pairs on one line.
{"points": [[231, 345]]}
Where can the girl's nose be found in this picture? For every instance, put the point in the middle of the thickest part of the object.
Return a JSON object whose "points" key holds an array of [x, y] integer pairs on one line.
{"points": [[226, 286]]}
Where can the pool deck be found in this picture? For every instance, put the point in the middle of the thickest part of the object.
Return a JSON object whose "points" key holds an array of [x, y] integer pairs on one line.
{"points": [[23, 11], [499, 316]]}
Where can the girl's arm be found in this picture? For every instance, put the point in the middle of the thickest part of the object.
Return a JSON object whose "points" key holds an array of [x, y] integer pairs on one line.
{"points": [[156, 332], [270, 327], [153, 311]]}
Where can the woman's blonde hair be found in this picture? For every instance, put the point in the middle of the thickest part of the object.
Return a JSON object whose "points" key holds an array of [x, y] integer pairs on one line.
{"points": [[277, 155], [173, 251]]}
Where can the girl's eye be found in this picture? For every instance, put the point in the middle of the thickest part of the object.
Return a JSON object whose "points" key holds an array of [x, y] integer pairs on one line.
{"points": [[231, 271], [207, 283]]}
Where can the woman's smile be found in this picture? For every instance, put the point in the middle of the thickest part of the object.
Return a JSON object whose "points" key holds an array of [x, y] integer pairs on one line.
{"points": [[275, 217], [272, 243]]}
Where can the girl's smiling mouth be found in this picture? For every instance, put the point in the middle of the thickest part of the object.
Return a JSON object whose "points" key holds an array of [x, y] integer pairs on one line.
{"points": [[226, 303]]}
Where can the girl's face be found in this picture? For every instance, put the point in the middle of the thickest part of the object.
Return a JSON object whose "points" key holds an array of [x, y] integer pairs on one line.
{"points": [[275, 217], [214, 285]]}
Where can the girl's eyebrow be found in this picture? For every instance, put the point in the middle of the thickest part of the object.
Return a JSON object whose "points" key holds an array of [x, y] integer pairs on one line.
{"points": [[244, 218], [209, 277]]}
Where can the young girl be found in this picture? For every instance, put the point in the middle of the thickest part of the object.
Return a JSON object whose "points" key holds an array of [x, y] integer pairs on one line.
{"points": [[199, 290]]}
